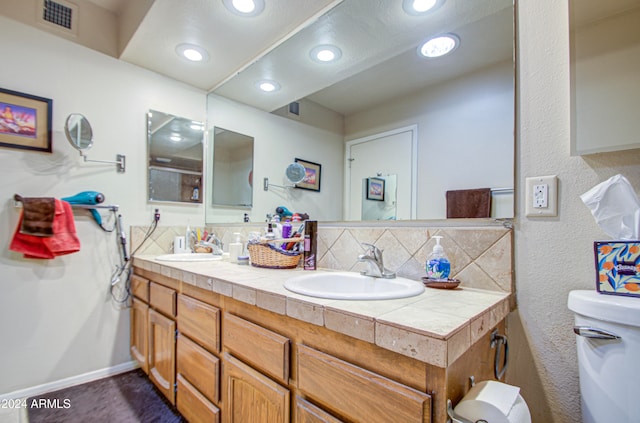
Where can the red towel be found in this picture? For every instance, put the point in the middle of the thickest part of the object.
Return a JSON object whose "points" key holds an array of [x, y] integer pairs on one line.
{"points": [[63, 241]]}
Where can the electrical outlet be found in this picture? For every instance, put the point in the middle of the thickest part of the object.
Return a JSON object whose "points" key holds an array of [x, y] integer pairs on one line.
{"points": [[541, 196]]}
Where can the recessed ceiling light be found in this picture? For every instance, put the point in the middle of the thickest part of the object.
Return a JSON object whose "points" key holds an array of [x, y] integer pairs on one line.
{"points": [[439, 46], [192, 52], [268, 85], [246, 8], [325, 53], [420, 7]]}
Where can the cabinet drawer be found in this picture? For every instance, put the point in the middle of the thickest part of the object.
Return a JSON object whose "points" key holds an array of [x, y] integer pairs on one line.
{"points": [[193, 405], [162, 299], [140, 288], [200, 322], [199, 367], [309, 413], [267, 351], [356, 393]]}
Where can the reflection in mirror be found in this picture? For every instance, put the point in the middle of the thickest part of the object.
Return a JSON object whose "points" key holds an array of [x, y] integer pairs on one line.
{"points": [[379, 198], [605, 75], [175, 147], [461, 105], [78, 131], [232, 169]]}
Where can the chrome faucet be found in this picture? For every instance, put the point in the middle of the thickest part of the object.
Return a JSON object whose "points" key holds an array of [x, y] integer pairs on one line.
{"points": [[373, 258]]}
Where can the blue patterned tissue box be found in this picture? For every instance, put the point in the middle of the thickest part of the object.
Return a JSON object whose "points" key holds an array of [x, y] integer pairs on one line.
{"points": [[618, 267]]}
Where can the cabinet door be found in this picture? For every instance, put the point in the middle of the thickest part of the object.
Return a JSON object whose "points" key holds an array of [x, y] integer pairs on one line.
{"points": [[308, 413], [140, 333], [193, 405], [250, 397], [162, 353]]}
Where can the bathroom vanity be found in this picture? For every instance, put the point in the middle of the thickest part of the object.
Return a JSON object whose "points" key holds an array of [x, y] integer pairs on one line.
{"points": [[228, 343]]}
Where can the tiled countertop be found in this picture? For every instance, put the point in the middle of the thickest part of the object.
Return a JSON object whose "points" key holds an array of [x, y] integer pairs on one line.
{"points": [[436, 327]]}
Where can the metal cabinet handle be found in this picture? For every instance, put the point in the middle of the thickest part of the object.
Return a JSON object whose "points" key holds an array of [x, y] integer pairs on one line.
{"points": [[595, 333]]}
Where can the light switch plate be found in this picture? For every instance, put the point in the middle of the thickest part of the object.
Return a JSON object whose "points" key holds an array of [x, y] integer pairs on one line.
{"points": [[541, 196]]}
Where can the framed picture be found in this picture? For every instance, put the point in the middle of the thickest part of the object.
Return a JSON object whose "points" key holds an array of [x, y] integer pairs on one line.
{"points": [[375, 189], [311, 180], [25, 121]]}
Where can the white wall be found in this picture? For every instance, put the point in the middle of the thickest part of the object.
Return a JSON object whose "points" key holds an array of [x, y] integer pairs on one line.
{"points": [[554, 255], [278, 141], [58, 319], [465, 135]]}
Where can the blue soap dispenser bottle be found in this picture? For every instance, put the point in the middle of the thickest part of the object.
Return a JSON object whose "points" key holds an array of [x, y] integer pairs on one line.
{"points": [[438, 265]]}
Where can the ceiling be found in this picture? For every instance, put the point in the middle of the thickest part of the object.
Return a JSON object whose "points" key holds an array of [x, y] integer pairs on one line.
{"points": [[381, 45]]}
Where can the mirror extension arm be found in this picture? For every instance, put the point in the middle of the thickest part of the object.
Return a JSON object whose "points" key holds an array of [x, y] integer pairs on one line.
{"points": [[120, 161]]}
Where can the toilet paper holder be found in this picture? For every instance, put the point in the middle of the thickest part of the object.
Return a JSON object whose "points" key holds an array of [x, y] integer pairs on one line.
{"points": [[497, 341]]}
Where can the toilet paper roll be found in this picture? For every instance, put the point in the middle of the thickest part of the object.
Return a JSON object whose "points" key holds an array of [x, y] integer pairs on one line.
{"points": [[494, 402]]}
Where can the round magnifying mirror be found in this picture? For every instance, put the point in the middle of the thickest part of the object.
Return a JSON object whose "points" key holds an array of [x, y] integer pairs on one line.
{"points": [[78, 131], [295, 173]]}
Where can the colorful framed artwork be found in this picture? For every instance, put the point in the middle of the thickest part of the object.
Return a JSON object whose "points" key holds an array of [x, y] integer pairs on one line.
{"points": [[312, 176], [25, 121], [375, 189]]}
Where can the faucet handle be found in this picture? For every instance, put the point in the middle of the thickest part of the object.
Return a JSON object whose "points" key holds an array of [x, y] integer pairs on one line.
{"points": [[373, 250]]}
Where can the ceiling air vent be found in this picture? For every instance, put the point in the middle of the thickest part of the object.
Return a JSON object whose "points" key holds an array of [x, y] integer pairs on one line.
{"points": [[293, 110], [60, 15]]}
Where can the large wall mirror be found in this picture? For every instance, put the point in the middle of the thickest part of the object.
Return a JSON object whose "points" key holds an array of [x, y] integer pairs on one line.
{"points": [[462, 106], [232, 172], [605, 75], [175, 157]]}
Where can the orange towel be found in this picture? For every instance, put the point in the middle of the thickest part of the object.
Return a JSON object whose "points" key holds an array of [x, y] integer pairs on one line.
{"points": [[63, 241]]}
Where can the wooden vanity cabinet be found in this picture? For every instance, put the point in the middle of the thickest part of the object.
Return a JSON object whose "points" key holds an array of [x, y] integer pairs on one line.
{"points": [[236, 363]]}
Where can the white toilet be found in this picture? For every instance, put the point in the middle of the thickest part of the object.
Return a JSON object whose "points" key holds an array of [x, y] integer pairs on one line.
{"points": [[608, 344]]}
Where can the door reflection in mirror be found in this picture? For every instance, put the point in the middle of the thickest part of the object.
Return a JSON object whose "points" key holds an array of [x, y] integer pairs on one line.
{"points": [[175, 146], [232, 184], [379, 197]]}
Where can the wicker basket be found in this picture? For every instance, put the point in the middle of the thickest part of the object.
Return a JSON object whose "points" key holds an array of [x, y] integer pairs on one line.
{"points": [[268, 256]]}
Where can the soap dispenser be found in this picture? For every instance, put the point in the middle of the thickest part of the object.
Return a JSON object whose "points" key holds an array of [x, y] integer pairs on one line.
{"points": [[235, 248], [438, 266]]}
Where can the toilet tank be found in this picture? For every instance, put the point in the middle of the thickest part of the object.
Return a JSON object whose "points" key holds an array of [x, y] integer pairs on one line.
{"points": [[608, 346]]}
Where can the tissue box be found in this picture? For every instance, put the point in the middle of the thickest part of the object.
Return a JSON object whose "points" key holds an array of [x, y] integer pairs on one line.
{"points": [[618, 267]]}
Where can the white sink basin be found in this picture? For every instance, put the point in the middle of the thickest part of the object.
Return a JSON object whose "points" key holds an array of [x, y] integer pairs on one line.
{"points": [[189, 257], [352, 286]]}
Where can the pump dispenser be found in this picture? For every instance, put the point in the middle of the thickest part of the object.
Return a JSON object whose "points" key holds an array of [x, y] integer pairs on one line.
{"points": [[438, 266]]}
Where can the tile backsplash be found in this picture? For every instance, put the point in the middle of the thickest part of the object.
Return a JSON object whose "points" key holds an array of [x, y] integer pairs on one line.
{"points": [[481, 257]]}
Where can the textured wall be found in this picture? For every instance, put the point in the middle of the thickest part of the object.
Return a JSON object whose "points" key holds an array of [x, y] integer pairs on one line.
{"points": [[554, 255]]}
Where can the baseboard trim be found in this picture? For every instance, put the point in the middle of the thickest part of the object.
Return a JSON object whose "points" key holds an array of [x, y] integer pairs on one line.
{"points": [[70, 381]]}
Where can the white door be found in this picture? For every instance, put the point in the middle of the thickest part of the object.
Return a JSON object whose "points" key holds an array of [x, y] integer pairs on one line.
{"points": [[388, 153]]}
